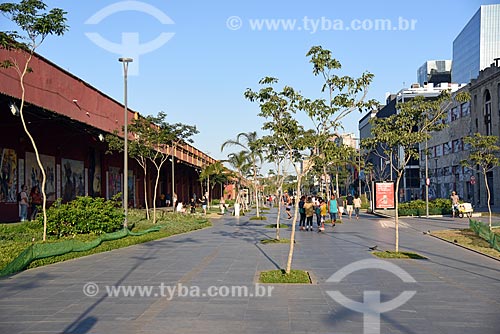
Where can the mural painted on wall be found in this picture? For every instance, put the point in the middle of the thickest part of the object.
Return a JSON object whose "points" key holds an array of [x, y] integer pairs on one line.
{"points": [[8, 175], [95, 174], [131, 188], [34, 174], [72, 179], [114, 181]]}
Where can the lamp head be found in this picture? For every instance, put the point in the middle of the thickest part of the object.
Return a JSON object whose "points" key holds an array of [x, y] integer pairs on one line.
{"points": [[14, 109]]}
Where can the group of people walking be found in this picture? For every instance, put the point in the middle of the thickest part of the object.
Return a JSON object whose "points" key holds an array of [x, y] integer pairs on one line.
{"points": [[334, 208], [34, 198]]}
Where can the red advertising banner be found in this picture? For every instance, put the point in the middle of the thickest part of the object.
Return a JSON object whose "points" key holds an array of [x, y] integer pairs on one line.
{"points": [[384, 195]]}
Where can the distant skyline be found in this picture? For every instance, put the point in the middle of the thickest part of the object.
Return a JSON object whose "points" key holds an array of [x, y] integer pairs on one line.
{"points": [[195, 59]]}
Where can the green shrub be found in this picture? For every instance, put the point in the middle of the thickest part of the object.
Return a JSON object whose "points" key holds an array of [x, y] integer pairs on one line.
{"points": [[439, 206], [84, 215]]}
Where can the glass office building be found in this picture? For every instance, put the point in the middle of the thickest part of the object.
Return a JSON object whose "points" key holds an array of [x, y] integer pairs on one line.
{"points": [[477, 45], [434, 71]]}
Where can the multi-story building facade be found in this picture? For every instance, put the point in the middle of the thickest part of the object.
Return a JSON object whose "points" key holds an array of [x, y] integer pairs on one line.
{"points": [[410, 187], [485, 119], [477, 45], [434, 71], [447, 148]]}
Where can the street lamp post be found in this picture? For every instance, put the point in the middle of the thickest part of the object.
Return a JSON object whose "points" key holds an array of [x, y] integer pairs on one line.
{"points": [[359, 171], [173, 178], [359, 166], [125, 62], [426, 182]]}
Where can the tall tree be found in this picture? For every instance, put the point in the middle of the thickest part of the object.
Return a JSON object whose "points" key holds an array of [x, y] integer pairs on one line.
{"points": [[159, 138], [35, 24], [405, 130], [216, 173], [240, 162], [276, 153], [345, 95], [483, 158], [250, 144], [284, 130], [139, 149]]}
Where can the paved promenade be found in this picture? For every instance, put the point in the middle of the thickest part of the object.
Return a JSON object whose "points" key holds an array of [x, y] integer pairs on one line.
{"points": [[456, 291]]}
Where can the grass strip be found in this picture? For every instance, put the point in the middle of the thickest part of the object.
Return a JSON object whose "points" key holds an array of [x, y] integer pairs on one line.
{"points": [[275, 241], [274, 226], [15, 238], [280, 276], [467, 238], [258, 218], [399, 255]]}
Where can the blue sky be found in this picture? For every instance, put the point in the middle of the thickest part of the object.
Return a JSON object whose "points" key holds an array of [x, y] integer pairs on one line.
{"points": [[200, 74]]}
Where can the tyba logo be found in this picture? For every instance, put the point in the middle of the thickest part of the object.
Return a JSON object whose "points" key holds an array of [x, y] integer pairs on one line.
{"points": [[371, 307], [130, 45]]}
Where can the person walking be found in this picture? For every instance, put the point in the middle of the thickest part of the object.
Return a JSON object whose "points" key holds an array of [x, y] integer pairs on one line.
{"points": [[302, 213], [349, 204], [340, 205], [222, 205], [287, 201], [454, 202], [204, 203], [333, 209], [323, 210], [357, 205], [36, 200], [23, 203], [317, 211], [309, 212]]}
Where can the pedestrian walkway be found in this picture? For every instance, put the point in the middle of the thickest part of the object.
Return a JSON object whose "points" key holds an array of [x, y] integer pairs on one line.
{"points": [[457, 291]]}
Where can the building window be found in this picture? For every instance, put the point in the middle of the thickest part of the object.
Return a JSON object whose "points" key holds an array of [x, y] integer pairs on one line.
{"points": [[498, 98], [439, 151], [447, 148], [457, 145], [487, 112], [465, 109], [454, 113]]}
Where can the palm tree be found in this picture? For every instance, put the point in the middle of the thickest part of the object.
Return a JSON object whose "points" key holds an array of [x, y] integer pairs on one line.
{"points": [[240, 162], [214, 173], [249, 142]]}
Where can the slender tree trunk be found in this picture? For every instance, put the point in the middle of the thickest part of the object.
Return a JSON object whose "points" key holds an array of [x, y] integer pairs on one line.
{"points": [[146, 195], [489, 197], [256, 198], [294, 223], [208, 191], [337, 183], [35, 148], [280, 194], [325, 175]]}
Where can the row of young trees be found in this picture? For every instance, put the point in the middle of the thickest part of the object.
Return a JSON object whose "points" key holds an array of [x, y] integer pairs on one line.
{"points": [[288, 142]]}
